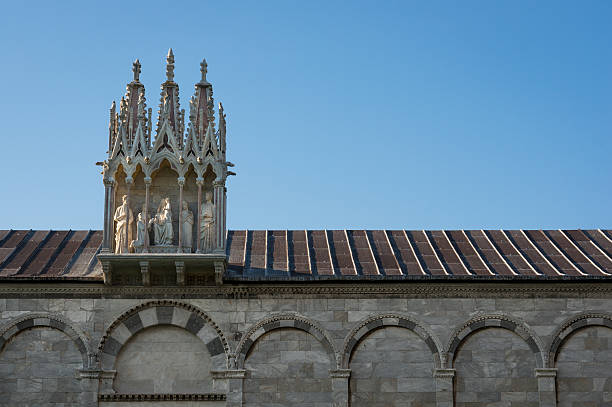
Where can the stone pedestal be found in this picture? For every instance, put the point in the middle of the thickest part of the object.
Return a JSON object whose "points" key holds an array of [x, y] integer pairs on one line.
{"points": [[340, 387], [547, 386], [444, 387]]}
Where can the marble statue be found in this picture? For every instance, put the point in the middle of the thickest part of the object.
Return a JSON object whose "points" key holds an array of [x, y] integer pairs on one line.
{"points": [[207, 225], [141, 230], [123, 232], [162, 224], [187, 218]]}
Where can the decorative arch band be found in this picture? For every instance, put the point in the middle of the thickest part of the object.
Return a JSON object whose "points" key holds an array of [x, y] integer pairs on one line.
{"points": [[163, 312]]}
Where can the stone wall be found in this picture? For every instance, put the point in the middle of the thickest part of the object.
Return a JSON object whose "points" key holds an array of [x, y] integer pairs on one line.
{"points": [[312, 346]]}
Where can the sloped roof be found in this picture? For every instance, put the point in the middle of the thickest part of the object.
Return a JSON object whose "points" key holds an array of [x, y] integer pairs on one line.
{"points": [[342, 254]]}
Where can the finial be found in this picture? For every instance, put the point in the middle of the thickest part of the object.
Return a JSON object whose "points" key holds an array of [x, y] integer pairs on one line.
{"points": [[203, 69], [136, 70], [170, 66]]}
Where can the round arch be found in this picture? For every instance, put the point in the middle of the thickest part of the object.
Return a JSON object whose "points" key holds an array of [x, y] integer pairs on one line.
{"points": [[285, 320], [375, 322], [35, 320], [163, 312], [572, 325], [496, 321]]}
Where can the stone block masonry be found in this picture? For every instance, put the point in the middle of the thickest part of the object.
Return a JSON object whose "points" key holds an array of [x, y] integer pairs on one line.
{"points": [[316, 345]]}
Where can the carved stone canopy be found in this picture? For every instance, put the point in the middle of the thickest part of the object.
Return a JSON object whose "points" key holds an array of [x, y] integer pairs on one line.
{"points": [[157, 181]]}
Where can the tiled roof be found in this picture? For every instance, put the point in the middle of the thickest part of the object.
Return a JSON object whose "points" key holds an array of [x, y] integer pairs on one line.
{"points": [[342, 254]]}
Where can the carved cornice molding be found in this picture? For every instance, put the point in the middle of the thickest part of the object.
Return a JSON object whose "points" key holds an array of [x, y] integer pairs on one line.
{"points": [[464, 290]]}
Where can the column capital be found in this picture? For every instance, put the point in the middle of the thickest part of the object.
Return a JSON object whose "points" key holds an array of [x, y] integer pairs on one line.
{"points": [[229, 374], [546, 372], [129, 180], [181, 181], [444, 373], [340, 373], [109, 182], [148, 180], [218, 184], [200, 181]]}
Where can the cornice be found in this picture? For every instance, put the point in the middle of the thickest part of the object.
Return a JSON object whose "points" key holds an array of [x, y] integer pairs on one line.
{"points": [[346, 290]]}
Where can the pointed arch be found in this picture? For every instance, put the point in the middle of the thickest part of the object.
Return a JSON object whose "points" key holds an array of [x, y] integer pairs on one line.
{"points": [[495, 321], [163, 312], [278, 321], [36, 320], [372, 323]]}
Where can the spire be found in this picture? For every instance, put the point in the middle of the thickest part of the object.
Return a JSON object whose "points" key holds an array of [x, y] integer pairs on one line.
{"points": [[203, 70], [170, 66], [136, 70], [169, 108], [112, 126], [221, 130], [201, 106]]}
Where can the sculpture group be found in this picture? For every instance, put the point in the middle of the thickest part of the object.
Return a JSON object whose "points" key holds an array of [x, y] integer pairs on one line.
{"points": [[161, 225]]}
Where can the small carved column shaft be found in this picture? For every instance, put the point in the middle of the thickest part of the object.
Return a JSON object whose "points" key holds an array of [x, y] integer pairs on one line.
{"points": [[219, 200], [128, 182], [181, 182], [200, 182], [444, 387], [340, 387], [111, 220], [145, 215], [107, 232], [547, 387]]}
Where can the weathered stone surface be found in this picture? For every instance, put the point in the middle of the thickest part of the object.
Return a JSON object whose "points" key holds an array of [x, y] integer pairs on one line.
{"points": [[163, 359], [585, 368], [495, 367], [40, 366], [281, 375]]}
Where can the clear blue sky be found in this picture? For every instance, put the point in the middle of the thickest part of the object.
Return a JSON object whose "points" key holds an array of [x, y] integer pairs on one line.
{"points": [[430, 114]]}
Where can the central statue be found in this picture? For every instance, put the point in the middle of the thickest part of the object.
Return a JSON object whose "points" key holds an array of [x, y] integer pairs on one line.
{"points": [[162, 224]]}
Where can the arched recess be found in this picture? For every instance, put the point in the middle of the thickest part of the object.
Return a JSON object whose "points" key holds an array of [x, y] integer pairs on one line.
{"points": [[374, 322], [572, 325], [36, 320], [496, 321], [285, 320], [163, 312]]}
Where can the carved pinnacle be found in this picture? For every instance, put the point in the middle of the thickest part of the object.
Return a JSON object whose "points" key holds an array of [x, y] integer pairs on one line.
{"points": [[203, 69], [136, 70], [170, 66]]}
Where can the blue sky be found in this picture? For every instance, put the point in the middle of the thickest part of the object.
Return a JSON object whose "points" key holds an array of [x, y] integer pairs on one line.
{"points": [[341, 115]]}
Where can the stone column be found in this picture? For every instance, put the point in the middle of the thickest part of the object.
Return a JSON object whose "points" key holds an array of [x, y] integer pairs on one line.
{"points": [[444, 387], [181, 182], [199, 182], [219, 200], [89, 387], [147, 181], [107, 232], [340, 387], [128, 182], [111, 215], [235, 380], [106, 378], [547, 386]]}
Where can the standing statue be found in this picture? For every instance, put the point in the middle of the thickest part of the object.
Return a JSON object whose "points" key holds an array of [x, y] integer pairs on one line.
{"points": [[162, 224], [187, 218], [207, 225], [141, 230], [123, 233]]}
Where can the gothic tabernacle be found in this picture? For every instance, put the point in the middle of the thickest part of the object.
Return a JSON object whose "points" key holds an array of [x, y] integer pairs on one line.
{"points": [[165, 189]]}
